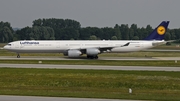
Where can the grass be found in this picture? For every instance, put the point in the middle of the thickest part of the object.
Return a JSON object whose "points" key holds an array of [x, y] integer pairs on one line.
{"points": [[146, 85], [2, 44], [142, 54], [174, 46]]}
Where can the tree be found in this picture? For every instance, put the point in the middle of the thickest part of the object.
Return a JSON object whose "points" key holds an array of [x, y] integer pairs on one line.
{"points": [[131, 34], [23, 34], [69, 33], [66, 29], [177, 33], [173, 35], [107, 33], [133, 31], [117, 32], [114, 38], [59, 26], [92, 37], [142, 33], [84, 33], [167, 36], [6, 35], [124, 31], [36, 33], [6, 32], [135, 38], [149, 29], [37, 22]]}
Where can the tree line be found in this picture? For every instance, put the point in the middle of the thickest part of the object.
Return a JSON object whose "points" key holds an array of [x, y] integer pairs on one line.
{"points": [[67, 29]]}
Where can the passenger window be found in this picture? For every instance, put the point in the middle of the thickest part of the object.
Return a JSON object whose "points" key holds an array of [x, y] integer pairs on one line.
{"points": [[9, 44]]}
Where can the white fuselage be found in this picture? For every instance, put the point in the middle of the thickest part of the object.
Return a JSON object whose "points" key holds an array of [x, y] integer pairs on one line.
{"points": [[52, 46]]}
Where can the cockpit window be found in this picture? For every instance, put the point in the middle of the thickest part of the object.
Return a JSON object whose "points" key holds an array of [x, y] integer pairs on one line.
{"points": [[9, 44]]}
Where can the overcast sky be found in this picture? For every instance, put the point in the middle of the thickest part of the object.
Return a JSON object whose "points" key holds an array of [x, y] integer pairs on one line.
{"points": [[94, 13]]}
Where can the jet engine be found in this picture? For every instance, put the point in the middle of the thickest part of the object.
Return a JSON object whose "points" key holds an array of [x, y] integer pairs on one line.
{"points": [[74, 53], [92, 52]]}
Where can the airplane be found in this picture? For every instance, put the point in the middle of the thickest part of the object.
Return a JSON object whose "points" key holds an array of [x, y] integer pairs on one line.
{"points": [[76, 48]]}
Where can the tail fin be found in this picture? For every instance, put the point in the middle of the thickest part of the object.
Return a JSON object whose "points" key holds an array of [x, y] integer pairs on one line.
{"points": [[159, 32]]}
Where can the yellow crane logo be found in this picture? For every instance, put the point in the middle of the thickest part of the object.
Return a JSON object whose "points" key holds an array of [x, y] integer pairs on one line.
{"points": [[161, 30]]}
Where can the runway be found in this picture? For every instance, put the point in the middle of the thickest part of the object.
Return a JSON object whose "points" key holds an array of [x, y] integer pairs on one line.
{"points": [[92, 67], [162, 50], [33, 98], [84, 58]]}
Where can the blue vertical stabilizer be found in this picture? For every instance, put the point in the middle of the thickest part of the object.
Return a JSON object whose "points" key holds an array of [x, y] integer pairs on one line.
{"points": [[159, 32]]}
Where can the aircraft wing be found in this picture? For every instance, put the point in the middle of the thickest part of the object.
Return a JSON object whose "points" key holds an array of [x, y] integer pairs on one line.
{"points": [[102, 49], [109, 48]]}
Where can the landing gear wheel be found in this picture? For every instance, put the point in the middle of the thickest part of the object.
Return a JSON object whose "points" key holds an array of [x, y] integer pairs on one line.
{"points": [[96, 57], [88, 56], [92, 57], [18, 56]]}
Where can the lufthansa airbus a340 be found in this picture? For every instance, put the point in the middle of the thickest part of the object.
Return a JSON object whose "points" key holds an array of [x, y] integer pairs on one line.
{"points": [[91, 48]]}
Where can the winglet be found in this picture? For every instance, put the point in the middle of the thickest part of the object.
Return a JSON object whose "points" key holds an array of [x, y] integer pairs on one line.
{"points": [[127, 44], [159, 32]]}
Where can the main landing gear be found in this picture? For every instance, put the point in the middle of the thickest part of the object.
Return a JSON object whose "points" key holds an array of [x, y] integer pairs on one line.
{"points": [[18, 56], [92, 57]]}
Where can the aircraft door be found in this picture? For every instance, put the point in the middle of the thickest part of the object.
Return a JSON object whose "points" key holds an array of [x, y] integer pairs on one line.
{"points": [[63, 45], [141, 44], [17, 45], [21, 45], [111, 44], [57, 45]]}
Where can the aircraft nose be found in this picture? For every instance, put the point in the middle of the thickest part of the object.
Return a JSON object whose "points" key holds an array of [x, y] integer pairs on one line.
{"points": [[5, 47], [8, 46]]}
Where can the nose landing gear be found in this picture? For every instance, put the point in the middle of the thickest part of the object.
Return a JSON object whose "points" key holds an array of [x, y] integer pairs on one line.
{"points": [[18, 56]]}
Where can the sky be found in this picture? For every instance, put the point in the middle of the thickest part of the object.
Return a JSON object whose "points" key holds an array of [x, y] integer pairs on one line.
{"points": [[93, 13]]}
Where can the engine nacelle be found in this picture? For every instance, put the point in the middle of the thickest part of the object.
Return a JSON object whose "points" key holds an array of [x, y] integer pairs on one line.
{"points": [[74, 53], [92, 51]]}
